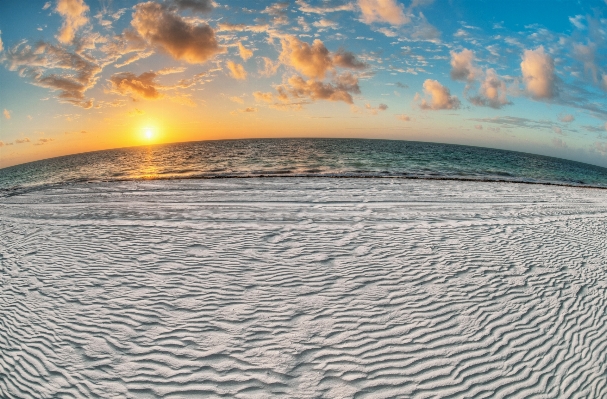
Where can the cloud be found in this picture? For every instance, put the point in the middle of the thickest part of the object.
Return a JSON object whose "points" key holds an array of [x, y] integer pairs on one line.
{"points": [[404, 118], [558, 130], [249, 110], [375, 111], [1, 44], [237, 99], [383, 11], [237, 71], [538, 74], [341, 89], [265, 97], [172, 34], [278, 12], [322, 9], [325, 23], [135, 112], [603, 82], [516, 122], [244, 52], [202, 6], [22, 141], [402, 85], [312, 60], [142, 86], [567, 118], [44, 140], [7, 114], [46, 5], [315, 60], [440, 97], [478, 127], [346, 59], [74, 17], [461, 66], [600, 147], [55, 68], [269, 67], [492, 92], [558, 143]]}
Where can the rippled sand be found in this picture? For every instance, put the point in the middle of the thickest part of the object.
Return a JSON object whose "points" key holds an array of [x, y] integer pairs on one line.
{"points": [[303, 288]]}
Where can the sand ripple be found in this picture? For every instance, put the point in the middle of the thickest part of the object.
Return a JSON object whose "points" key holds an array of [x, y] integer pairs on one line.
{"points": [[303, 288]]}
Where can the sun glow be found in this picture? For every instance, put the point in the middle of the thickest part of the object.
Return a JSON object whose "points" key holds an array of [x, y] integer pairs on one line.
{"points": [[148, 133]]}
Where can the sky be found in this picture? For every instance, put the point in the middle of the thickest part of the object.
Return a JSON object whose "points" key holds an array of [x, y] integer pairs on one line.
{"points": [[87, 75]]}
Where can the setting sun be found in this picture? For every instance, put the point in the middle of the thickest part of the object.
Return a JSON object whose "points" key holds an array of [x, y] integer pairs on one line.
{"points": [[149, 133]]}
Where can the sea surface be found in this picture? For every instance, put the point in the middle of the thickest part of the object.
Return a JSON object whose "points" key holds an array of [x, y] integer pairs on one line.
{"points": [[302, 157]]}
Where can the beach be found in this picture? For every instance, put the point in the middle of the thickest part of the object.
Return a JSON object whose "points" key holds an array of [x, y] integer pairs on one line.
{"points": [[303, 288]]}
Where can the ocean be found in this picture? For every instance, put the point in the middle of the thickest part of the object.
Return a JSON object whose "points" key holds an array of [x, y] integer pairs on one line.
{"points": [[302, 158]]}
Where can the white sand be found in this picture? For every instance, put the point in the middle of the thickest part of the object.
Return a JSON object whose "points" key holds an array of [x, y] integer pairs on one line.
{"points": [[304, 288]]}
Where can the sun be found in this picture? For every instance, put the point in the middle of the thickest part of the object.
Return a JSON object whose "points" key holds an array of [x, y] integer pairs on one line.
{"points": [[148, 133]]}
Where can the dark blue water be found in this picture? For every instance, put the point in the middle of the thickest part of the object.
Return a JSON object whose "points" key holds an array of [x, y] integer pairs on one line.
{"points": [[303, 157]]}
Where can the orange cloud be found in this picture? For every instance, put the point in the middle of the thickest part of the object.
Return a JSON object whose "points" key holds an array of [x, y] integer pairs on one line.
{"points": [[340, 90], [169, 32], [440, 97], [383, 11], [538, 73], [74, 17], [315, 60], [245, 53], [237, 71], [142, 86], [7, 113]]}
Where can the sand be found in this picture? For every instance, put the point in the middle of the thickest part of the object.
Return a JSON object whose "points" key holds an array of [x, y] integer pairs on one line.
{"points": [[303, 288]]}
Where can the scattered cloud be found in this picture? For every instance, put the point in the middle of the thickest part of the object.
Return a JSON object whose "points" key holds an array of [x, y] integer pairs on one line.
{"points": [[249, 110], [492, 92], [278, 12], [567, 118], [237, 99], [478, 127], [46, 5], [202, 6], [538, 73], [440, 97], [22, 141], [44, 140], [404, 118], [376, 110], [55, 68], [388, 11], [237, 71], [1, 44], [135, 112], [324, 8], [341, 89], [7, 113], [167, 31], [74, 17], [315, 60], [265, 97], [129, 84], [558, 130], [244, 52], [516, 122], [559, 143], [462, 67]]}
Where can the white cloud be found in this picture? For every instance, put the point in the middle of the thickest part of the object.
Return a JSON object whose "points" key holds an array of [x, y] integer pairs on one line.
{"points": [[538, 73], [462, 67], [440, 97]]}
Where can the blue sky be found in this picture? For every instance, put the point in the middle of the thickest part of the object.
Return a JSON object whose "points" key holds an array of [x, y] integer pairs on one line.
{"points": [[85, 75]]}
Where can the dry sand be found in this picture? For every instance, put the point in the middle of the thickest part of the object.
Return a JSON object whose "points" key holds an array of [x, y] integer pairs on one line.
{"points": [[303, 288]]}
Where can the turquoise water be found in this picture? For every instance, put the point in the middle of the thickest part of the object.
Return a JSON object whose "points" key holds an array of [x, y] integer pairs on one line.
{"points": [[303, 157]]}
